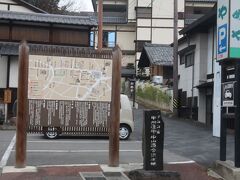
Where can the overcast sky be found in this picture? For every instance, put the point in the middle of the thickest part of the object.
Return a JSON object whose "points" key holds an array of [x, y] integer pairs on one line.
{"points": [[79, 5]]}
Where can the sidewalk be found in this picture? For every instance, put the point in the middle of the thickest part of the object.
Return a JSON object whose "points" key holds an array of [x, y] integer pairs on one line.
{"points": [[188, 171]]}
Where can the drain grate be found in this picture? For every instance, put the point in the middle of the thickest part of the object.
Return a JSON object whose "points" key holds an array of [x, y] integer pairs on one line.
{"points": [[92, 176]]}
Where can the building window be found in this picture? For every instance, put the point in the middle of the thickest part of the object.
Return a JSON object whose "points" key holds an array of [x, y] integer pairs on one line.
{"points": [[144, 12], [109, 39], [180, 15], [189, 59], [182, 59], [92, 39]]}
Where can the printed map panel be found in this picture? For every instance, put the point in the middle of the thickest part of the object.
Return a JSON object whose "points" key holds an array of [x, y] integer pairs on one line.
{"points": [[69, 78]]}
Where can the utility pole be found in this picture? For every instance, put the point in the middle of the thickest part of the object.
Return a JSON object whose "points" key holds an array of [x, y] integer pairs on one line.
{"points": [[100, 24], [175, 60]]}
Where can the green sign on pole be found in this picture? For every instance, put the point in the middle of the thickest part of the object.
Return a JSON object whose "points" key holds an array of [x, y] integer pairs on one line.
{"points": [[235, 29]]}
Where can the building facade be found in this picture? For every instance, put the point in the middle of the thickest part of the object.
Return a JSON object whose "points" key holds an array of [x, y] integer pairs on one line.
{"points": [[194, 9], [200, 74], [135, 22]]}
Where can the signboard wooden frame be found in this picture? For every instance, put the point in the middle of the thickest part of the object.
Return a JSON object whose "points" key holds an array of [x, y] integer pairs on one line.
{"points": [[71, 116]]}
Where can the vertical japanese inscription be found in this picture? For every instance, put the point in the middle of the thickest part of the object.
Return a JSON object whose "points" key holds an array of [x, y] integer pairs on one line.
{"points": [[153, 140]]}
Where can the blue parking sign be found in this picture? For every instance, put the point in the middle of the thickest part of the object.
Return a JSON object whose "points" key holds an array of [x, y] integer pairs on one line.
{"points": [[222, 39]]}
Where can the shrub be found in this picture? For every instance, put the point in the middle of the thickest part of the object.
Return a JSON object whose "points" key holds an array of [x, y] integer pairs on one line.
{"points": [[153, 94]]}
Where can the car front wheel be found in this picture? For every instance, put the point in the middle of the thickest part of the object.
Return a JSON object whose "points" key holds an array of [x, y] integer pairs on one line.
{"points": [[51, 133], [124, 132]]}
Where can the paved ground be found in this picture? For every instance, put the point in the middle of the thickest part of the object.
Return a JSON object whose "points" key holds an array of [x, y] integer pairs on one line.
{"points": [[184, 141], [197, 143], [188, 139], [189, 171]]}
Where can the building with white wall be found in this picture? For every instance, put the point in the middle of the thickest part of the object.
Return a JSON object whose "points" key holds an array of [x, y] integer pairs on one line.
{"points": [[199, 73], [135, 22]]}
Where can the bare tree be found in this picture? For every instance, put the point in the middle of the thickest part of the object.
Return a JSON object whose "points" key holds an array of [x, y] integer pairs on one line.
{"points": [[51, 6]]}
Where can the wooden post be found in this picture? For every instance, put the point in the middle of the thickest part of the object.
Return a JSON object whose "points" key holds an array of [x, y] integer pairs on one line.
{"points": [[22, 106], [100, 24], [175, 61], [115, 109]]}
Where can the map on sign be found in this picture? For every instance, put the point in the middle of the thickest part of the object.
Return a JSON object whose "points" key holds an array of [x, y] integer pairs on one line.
{"points": [[69, 78]]}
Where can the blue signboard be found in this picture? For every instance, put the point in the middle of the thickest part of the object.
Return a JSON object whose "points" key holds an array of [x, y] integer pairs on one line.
{"points": [[222, 29], [222, 39]]}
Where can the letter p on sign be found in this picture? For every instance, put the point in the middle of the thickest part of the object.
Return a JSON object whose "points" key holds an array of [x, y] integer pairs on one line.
{"points": [[222, 39]]}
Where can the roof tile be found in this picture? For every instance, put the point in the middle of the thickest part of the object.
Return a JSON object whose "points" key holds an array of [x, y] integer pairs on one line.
{"points": [[88, 20]]}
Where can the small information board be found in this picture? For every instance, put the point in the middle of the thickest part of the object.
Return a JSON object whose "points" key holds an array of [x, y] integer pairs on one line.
{"points": [[153, 140], [228, 94], [7, 96]]}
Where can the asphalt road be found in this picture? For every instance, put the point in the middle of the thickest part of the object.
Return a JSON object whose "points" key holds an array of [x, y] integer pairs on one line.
{"points": [[184, 141]]}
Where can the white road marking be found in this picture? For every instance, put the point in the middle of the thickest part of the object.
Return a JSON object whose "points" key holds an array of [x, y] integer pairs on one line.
{"points": [[8, 152], [68, 165], [77, 151], [82, 142], [182, 162]]}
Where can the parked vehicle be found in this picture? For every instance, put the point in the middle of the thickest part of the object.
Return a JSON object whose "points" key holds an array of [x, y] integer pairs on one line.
{"points": [[126, 122], [157, 80]]}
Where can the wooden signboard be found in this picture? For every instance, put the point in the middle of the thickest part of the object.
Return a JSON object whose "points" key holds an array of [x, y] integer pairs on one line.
{"points": [[7, 96], [72, 93]]}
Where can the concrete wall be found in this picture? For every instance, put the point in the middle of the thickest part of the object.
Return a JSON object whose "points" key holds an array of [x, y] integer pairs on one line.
{"points": [[143, 34], [192, 76], [144, 3], [186, 74], [131, 10], [161, 23], [205, 63], [128, 59]]}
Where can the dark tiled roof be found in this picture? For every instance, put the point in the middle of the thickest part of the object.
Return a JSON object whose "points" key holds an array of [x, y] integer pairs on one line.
{"points": [[156, 54], [49, 18], [11, 48], [202, 23]]}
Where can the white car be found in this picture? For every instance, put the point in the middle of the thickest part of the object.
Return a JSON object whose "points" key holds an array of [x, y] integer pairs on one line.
{"points": [[126, 122], [126, 118]]}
